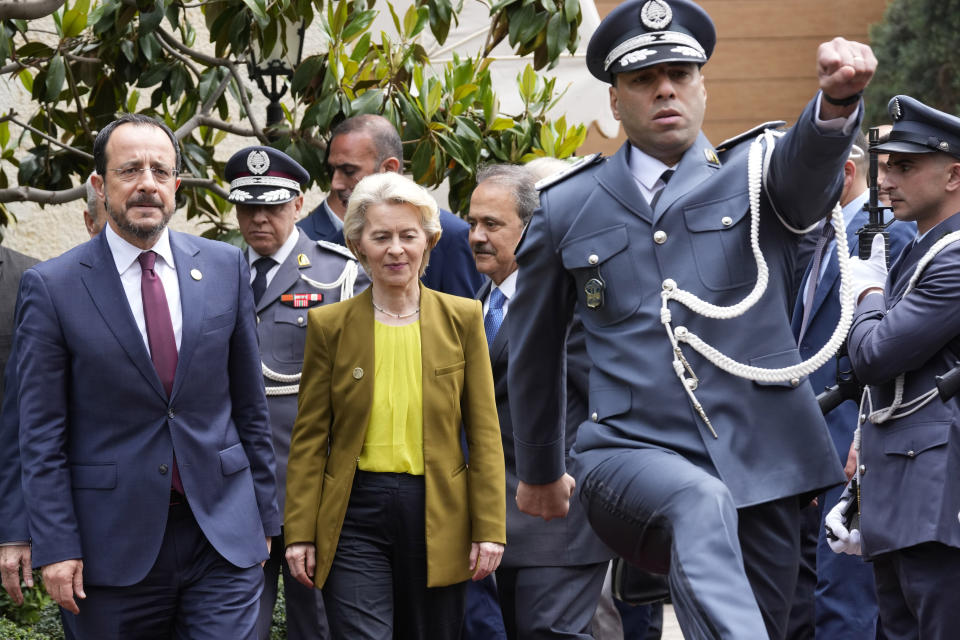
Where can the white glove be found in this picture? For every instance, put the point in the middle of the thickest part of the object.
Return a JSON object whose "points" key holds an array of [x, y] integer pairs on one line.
{"points": [[839, 539], [872, 273]]}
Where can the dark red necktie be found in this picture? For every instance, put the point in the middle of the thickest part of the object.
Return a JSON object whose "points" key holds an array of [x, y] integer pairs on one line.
{"points": [[163, 344]]}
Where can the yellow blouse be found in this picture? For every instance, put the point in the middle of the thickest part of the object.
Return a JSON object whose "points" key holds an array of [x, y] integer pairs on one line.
{"points": [[394, 439]]}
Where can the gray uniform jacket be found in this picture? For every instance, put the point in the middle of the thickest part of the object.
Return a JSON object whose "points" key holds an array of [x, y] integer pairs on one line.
{"points": [[534, 542], [909, 493], [772, 440], [12, 264], [282, 328]]}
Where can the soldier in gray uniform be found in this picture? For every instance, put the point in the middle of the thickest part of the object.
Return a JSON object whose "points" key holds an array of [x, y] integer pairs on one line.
{"points": [[290, 274], [686, 464], [906, 331]]}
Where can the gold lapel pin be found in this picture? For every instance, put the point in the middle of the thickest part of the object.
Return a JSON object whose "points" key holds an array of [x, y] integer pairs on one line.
{"points": [[303, 260]]}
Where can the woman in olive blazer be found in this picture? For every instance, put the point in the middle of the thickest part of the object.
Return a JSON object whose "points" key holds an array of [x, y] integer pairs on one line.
{"points": [[464, 503]]}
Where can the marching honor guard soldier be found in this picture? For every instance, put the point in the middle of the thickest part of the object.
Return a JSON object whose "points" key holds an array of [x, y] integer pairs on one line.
{"points": [[290, 274], [690, 464], [906, 332]]}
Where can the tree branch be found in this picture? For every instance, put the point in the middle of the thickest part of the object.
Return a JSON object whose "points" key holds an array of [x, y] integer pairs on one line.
{"points": [[216, 123], [206, 183], [76, 98], [261, 136], [29, 194], [196, 55], [196, 120], [49, 139], [179, 56], [28, 9], [16, 65], [75, 58]]}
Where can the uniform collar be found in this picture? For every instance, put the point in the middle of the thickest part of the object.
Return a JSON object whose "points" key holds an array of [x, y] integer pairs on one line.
{"points": [[645, 168], [282, 253]]}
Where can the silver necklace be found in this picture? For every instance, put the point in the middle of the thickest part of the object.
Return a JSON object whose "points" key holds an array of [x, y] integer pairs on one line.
{"points": [[399, 316]]}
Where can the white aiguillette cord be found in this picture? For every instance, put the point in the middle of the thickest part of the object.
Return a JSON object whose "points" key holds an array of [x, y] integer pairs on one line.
{"points": [[756, 171], [911, 406], [290, 382]]}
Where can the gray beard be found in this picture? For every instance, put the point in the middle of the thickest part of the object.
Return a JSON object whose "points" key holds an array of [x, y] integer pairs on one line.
{"points": [[139, 232]]}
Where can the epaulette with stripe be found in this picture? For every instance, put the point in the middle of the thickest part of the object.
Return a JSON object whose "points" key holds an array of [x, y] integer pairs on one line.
{"points": [[338, 248], [730, 143], [576, 167]]}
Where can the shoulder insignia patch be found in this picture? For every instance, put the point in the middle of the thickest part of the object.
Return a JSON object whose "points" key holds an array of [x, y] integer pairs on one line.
{"points": [[336, 248], [730, 143], [576, 167]]}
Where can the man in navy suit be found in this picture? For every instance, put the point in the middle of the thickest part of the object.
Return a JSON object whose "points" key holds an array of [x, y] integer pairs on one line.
{"points": [[367, 144], [843, 602], [906, 332], [148, 468], [551, 574], [685, 468]]}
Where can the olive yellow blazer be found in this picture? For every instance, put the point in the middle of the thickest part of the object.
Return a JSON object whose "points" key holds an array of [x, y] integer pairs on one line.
{"points": [[464, 503]]}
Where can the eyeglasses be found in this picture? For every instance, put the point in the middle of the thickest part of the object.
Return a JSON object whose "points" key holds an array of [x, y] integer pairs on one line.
{"points": [[160, 173]]}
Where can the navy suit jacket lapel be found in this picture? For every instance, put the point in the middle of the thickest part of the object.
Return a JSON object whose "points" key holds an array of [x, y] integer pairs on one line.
{"points": [[321, 223], [497, 349], [102, 282], [832, 273], [186, 256]]}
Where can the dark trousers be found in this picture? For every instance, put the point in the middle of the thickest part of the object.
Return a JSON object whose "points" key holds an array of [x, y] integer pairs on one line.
{"points": [[731, 572], [191, 592], [802, 622], [306, 618], [377, 586], [836, 592], [543, 603], [917, 592], [483, 619]]}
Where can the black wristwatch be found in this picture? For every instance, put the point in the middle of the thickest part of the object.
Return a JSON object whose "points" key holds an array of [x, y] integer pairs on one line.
{"points": [[843, 102]]}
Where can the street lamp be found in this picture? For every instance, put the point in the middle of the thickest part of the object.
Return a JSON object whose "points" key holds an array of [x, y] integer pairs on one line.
{"points": [[270, 71]]}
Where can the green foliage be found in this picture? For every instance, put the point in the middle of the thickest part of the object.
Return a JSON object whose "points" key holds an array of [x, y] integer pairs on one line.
{"points": [[916, 46], [117, 55], [10, 630], [34, 600], [38, 618], [278, 624]]}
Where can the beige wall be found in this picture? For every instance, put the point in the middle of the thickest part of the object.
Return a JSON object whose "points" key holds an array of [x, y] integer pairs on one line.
{"points": [[764, 65]]}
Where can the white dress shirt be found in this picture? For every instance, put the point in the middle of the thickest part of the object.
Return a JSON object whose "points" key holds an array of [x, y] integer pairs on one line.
{"points": [[334, 219], [125, 257], [508, 287]]}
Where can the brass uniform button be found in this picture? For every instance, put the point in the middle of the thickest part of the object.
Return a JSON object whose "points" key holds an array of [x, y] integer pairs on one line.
{"points": [[660, 236]]}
